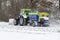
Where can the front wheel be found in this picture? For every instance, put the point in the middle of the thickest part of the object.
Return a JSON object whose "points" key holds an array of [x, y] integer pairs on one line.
{"points": [[34, 24]]}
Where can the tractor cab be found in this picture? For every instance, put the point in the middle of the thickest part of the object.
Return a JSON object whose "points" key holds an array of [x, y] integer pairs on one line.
{"points": [[25, 12]]}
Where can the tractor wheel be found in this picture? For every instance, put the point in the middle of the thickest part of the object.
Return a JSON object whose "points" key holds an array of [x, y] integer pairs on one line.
{"points": [[34, 24], [15, 22], [22, 21]]}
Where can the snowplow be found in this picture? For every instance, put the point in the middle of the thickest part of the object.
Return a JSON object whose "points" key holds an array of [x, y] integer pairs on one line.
{"points": [[29, 17]]}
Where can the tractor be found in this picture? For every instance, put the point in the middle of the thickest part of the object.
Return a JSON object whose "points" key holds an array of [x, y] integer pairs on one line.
{"points": [[29, 17]]}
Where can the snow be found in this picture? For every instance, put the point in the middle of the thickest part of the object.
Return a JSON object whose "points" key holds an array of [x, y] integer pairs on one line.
{"points": [[27, 36], [4, 26], [11, 32]]}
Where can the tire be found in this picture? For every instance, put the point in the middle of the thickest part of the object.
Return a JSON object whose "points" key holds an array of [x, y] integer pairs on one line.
{"points": [[34, 24], [46, 23], [15, 22], [22, 21]]}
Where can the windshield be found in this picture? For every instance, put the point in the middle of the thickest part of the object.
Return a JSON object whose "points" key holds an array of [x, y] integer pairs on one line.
{"points": [[27, 10]]}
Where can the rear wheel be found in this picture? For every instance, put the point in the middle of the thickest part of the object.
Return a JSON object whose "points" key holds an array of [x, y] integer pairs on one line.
{"points": [[22, 21], [15, 21]]}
